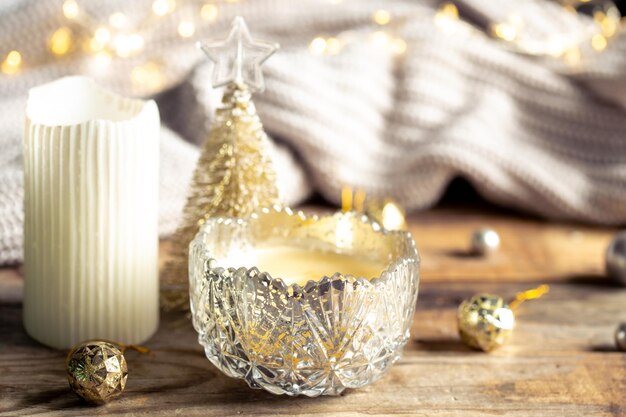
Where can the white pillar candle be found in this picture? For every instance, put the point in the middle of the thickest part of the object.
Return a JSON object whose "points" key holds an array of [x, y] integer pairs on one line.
{"points": [[90, 205]]}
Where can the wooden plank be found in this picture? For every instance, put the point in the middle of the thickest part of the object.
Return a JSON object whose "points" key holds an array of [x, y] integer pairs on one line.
{"points": [[531, 249], [11, 284], [561, 361]]}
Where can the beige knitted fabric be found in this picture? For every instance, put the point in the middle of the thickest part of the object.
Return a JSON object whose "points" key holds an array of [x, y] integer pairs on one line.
{"points": [[528, 132]]}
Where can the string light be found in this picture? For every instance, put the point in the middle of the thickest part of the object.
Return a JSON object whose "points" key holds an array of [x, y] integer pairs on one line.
{"points": [[398, 46], [121, 44], [70, 9], [136, 42], [101, 61], [328, 46], [118, 20], [148, 74], [569, 46], [209, 12], [186, 29], [609, 26], [446, 18], [382, 39], [163, 7], [598, 42], [118, 39], [553, 46], [99, 41], [504, 31], [60, 41], [572, 56], [608, 20], [94, 46], [508, 31], [102, 35], [317, 45], [12, 63], [379, 38], [381, 17], [333, 46], [126, 45], [449, 10]]}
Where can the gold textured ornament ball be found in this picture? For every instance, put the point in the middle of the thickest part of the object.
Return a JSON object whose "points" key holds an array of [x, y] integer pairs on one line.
{"points": [[97, 371], [485, 322]]}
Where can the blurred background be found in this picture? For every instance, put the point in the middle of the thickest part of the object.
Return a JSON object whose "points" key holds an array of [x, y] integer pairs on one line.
{"points": [[522, 102]]}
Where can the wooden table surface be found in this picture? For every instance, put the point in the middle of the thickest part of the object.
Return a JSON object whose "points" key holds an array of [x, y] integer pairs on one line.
{"points": [[561, 361]]}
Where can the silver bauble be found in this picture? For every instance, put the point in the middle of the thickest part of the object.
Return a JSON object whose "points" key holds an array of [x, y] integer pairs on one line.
{"points": [[616, 259], [620, 337], [485, 241]]}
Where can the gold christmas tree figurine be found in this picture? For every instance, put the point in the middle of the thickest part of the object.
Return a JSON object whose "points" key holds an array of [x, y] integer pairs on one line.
{"points": [[234, 175]]}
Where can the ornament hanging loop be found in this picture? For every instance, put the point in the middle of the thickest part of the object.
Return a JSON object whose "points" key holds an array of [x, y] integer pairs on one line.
{"points": [[529, 295]]}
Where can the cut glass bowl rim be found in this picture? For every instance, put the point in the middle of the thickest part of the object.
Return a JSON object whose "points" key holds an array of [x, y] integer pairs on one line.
{"points": [[295, 290]]}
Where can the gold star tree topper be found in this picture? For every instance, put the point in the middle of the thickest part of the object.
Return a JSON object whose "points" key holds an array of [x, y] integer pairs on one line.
{"points": [[238, 58]]}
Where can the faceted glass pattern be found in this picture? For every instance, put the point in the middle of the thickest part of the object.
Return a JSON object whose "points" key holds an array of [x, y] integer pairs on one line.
{"points": [[335, 333]]}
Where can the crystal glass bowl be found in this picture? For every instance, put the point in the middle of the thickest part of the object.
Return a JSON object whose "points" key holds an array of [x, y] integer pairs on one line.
{"points": [[331, 334]]}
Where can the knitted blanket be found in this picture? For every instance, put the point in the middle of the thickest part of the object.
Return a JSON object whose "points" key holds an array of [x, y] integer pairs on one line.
{"points": [[532, 132]]}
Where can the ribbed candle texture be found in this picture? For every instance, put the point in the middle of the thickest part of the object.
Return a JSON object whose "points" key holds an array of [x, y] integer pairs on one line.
{"points": [[90, 204]]}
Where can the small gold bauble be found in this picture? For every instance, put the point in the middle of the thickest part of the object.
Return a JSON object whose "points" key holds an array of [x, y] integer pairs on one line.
{"points": [[485, 322], [97, 371]]}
